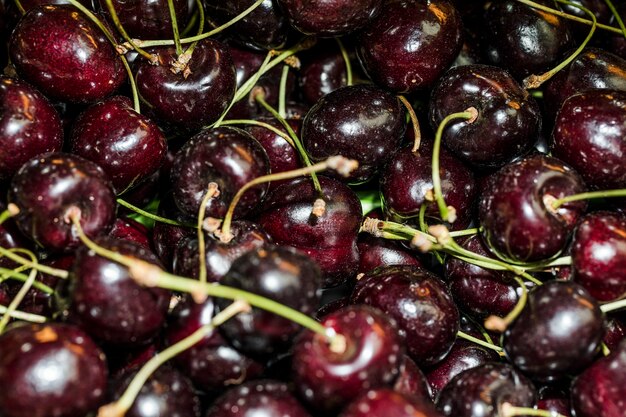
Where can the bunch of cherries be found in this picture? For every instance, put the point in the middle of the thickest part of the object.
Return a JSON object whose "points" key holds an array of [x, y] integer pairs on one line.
{"points": [[183, 188]]}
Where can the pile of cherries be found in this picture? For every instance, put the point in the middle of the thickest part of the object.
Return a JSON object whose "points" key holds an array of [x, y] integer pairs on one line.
{"points": [[182, 196]]}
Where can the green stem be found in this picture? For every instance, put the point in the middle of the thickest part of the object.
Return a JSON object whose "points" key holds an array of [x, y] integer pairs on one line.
{"points": [[476, 340], [588, 196], [191, 23], [618, 18], [5, 215], [535, 81], [346, 60], [211, 191], [19, 6], [14, 304], [613, 306], [151, 215], [22, 315], [282, 93], [120, 28], [268, 126], [34, 265], [416, 124], [172, 9], [17, 276], [508, 410], [466, 232]]}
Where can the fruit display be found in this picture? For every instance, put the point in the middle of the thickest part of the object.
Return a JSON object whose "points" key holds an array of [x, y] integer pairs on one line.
{"points": [[313, 208]]}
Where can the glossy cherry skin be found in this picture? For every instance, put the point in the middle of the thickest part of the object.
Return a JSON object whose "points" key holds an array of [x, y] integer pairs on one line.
{"points": [[329, 18], [407, 178], [427, 318], [265, 398], [599, 255], [11, 237], [412, 381], [226, 156], [108, 303], [212, 363], [266, 27], [29, 126], [129, 229], [372, 357], [601, 389], [464, 355], [524, 40], [508, 120], [45, 188], [323, 70], [555, 399], [67, 57], [481, 391], [279, 273], [375, 252], [191, 102], [127, 145], [165, 237], [515, 209], [361, 122], [589, 135], [53, 369], [386, 402], [148, 19], [410, 44], [330, 239]]}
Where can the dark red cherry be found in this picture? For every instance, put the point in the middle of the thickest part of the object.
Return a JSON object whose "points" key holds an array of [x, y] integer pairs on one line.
{"points": [[523, 39], [558, 333], [46, 188], [386, 402], [516, 213], [555, 399], [281, 274], [589, 135], [330, 18], [230, 158], [127, 145], [410, 44], [195, 101], [328, 377], [427, 318], [323, 70], [50, 370], [165, 237], [265, 398], [508, 122], [212, 364], [375, 252], [11, 237], [412, 381], [599, 255], [481, 391], [361, 122], [108, 303], [166, 393], [66, 56], [148, 19], [329, 239], [615, 327], [29, 126], [601, 389], [129, 229]]}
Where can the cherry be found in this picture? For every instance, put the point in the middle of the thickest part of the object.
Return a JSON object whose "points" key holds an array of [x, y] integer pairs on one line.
{"points": [[599, 255], [555, 399], [193, 101], [30, 126], [482, 390], [375, 252], [386, 402], [108, 303], [323, 70], [516, 213], [412, 381], [558, 332], [330, 18], [66, 56], [127, 145], [329, 376], [600, 390], [45, 189], [11, 237], [508, 120], [129, 229], [615, 331], [266, 397], [427, 318], [410, 44], [165, 237], [588, 135], [53, 370], [361, 122]]}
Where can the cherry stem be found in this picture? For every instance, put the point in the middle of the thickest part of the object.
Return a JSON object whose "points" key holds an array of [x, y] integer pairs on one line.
{"points": [[182, 63], [122, 31], [448, 213], [260, 124], [22, 315], [125, 402], [568, 16], [9, 253], [11, 211], [152, 216], [466, 232], [172, 9], [191, 23], [14, 304], [19, 6], [509, 410], [618, 18], [212, 191], [259, 97], [282, 92], [482, 330], [499, 324], [346, 60], [588, 196], [613, 306], [605, 349], [15, 274], [416, 124], [535, 81], [476, 340], [338, 163]]}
